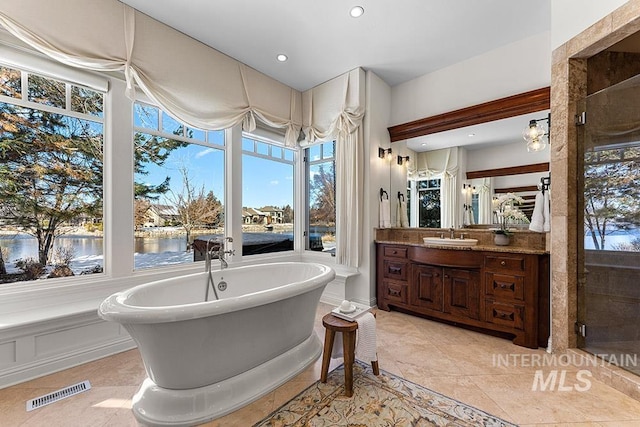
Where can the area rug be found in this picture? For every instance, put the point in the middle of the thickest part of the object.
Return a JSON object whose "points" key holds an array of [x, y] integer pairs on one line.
{"points": [[384, 400]]}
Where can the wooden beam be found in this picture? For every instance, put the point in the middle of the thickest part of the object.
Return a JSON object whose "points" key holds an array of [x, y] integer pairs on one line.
{"points": [[516, 189], [511, 106], [512, 170]]}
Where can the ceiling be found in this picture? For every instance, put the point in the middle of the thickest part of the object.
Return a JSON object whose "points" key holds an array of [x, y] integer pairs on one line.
{"points": [[398, 40]]}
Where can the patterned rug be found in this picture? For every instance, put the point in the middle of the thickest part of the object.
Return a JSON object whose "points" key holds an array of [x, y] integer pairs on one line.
{"points": [[384, 400]]}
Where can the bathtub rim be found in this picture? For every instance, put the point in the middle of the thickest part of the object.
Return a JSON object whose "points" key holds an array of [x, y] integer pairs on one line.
{"points": [[114, 308]]}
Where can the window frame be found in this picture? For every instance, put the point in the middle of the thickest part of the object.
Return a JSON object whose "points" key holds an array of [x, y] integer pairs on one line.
{"points": [[271, 139], [308, 163], [161, 133], [70, 80]]}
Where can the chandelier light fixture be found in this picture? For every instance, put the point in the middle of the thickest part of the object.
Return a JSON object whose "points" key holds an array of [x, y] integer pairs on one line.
{"points": [[536, 134]]}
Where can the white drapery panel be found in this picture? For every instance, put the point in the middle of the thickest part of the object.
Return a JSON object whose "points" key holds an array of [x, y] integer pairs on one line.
{"points": [[192, 82], [443, 163], [334, 111], [485, 208]]}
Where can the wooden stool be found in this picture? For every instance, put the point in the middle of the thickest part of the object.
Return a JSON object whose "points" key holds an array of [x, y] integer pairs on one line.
{"points": [[332, 325]]}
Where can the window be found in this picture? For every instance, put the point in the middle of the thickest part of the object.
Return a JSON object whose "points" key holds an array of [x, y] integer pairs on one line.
{"points": [[611, 202], [428, 203], [267, 197], [321, 199], [178, 189], [51, 177]]}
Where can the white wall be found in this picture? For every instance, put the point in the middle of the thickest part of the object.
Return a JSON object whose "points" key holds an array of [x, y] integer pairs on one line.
{"points": [[570, 17], [377, 174], [518, 67]]}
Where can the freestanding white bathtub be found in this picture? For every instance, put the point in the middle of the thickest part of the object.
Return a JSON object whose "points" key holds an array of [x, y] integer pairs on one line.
{"points": [[206, 359]]}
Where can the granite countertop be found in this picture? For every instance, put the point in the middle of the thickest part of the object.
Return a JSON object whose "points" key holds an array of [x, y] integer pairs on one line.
{"points": [[487, 248]]}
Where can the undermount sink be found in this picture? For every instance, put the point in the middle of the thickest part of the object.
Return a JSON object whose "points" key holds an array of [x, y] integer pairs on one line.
{"points": [[449, 242]]}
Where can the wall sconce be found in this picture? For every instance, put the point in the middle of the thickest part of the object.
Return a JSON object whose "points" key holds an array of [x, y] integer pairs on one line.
{"points": [[403, 159], [382, 153], [536, 135]]}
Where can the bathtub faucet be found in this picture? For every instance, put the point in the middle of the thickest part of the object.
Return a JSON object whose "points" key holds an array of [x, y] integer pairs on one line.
{"points": [[222, 253]]}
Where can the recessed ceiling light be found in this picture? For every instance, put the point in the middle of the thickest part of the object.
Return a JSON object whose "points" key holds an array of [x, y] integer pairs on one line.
{"points": [[356, 11], [282, 57], [471, 135], [424, 144]]}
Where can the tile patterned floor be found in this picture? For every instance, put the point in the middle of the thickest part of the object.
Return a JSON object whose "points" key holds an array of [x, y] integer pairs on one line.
{"points": [[458, 363]]}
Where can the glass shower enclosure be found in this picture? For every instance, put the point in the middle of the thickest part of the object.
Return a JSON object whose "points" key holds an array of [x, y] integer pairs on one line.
{"points": [[609, 233]]}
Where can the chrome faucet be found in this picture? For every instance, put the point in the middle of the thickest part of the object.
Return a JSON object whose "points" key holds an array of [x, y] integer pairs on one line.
{"points": [[452, 234], [222, 252], [207, 268]]}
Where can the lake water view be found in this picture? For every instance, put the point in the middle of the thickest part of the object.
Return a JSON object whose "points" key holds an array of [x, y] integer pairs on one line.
{"points": [[150, 251]]}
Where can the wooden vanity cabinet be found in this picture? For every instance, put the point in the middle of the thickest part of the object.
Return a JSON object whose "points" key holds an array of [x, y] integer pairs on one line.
{"points": [[498, 291], [392, 273], [445, 290]]}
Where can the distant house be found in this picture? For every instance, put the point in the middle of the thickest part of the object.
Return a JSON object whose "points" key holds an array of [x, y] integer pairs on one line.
{"points": [[253, 216], [161, 215], [273, 215]]}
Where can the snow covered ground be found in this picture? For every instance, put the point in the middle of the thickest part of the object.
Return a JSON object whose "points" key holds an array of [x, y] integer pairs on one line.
{"points": [[141, 261]]}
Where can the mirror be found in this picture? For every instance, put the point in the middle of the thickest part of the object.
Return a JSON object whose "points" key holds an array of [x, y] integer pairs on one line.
{"points": [[491, 158]]}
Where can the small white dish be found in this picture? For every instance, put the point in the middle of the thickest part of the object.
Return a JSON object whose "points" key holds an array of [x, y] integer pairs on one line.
{"points": [[351, 309]]}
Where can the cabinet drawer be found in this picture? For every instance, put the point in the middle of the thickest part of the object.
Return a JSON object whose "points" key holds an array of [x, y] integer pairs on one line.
{"points": [[396, 270], [504, 286], [502, 263], [395, 292], [395, 252], [505, 314]]}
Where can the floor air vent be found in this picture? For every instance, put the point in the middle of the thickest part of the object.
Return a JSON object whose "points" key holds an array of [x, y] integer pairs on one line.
{"points": [[38, 402]]}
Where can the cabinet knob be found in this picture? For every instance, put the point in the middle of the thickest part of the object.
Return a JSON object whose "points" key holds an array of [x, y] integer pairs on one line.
{"points": [[503, 263], [395, 252], [446, 276], [436, 275]]}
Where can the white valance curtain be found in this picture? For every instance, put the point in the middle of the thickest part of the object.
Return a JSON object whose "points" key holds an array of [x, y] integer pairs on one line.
{"points": [[334, 111], [194, 83], [485, 209], [443, 163]]}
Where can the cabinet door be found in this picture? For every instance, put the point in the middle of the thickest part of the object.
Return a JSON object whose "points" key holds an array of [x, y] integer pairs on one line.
{"points": [[426, 287], [462, 292]]}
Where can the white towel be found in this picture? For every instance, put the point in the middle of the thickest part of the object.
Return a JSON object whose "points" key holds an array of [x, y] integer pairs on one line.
{"points": [[366, 340], [537, 218], [545, 212], [336, 350], [385, 214], [403, 219]]}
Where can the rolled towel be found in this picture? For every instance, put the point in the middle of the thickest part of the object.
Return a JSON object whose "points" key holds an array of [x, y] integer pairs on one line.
{"points": [[336, 350], [545, 212], [404, 219], [537, 218], [366, 341], [385, 214]]}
